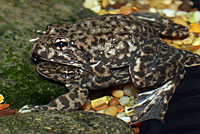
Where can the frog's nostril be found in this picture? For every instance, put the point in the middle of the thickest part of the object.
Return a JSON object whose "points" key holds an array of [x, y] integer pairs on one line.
{"points": [[34, 58]]}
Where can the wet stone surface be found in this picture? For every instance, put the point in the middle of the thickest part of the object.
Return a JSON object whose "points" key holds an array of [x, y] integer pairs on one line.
{"points": [[63, 122]]}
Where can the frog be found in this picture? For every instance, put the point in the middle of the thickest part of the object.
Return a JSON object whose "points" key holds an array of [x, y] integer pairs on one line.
{"points": [[114, 49]]}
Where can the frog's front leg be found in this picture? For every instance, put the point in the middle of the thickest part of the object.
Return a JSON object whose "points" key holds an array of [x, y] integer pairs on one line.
{"points": [[153, 104], [76, 97]]}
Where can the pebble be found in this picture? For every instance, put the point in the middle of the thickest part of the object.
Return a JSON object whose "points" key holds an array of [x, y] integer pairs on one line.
{"points": [[152, 10], [117, 93], [100, 111], [126, 10], [96, 9], [100, 103], [187, 47], [113, 102], [88, 4], [124, 100], [185, 7], [196, 42], [177, 42], [122, 114], [4, 106], [86, 107], [181, 13], [102, 12], [167, 2], [195, 17], [127, 119], [195, 28], [180, 21], [100, 107], [105, 3], [169, 12], [112, 110], [130, 90], [1, 98], [113, 11], [120, 108], [188, 40], [197, 51]]}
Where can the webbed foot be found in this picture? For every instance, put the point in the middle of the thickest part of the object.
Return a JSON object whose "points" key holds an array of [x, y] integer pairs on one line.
{"points": [[153, 104]]}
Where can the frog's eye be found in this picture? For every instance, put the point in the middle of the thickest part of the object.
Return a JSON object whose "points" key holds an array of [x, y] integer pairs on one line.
{"points": [[61, 44]]}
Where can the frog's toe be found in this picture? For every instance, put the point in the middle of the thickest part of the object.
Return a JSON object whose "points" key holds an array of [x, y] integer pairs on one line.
{"points": [[72, 100], [152, 104]]}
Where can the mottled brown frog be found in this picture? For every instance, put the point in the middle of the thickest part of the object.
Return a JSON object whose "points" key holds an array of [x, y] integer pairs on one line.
{"points": [[111, 48]]}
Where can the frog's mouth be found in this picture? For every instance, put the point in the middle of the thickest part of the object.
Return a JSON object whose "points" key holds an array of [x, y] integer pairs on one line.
{"points": [[61, 73], [37, 59]]}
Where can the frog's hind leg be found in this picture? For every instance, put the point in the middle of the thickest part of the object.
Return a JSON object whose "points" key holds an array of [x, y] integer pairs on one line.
{"points": [[153, 104], [163, 25], [72, 100]]}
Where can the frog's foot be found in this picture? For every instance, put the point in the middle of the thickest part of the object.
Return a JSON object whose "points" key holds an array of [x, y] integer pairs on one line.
{"points": [[152, 104], [72, 100]]}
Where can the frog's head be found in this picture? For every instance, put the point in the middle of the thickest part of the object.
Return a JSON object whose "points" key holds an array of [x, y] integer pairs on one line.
{"points": [[56, 46], [62, 73]]}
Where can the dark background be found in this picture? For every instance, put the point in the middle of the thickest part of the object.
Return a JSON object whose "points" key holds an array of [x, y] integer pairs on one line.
{"points": [[183, 115]]}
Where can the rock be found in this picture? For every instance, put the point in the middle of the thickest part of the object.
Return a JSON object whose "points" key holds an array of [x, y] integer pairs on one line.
{"points": [[185, 7], [63, 122]]}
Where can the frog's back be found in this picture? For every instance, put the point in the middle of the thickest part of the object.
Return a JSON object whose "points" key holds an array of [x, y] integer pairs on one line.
{"points": [[110, 38]]}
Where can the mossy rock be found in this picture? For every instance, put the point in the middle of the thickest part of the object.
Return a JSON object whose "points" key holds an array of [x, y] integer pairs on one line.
{"points": [[63, 122], [20, 84]]}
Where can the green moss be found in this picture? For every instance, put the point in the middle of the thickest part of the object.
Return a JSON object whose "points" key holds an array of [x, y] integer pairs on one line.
{"points": [[20, 84]]}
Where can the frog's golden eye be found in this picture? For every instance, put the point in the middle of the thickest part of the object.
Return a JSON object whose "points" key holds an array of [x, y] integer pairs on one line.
{"points": [[61, 44]]}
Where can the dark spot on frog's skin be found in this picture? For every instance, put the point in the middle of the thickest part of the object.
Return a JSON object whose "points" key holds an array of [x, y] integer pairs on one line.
{"points": [[108, 33], [140, 74], [64, 101], [77, 104], [84, 92], [106, 27], [80, 34], [95, 41], [85, 24], [102, 40], [99, 69], [72, 31], [82, 40], [128, 23], [122, 34], [72, 35], [78, 25], [113, 26], [73, 96], [52, 104], [148, 50], [104, 79], [94, 23], [99, 34]]}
